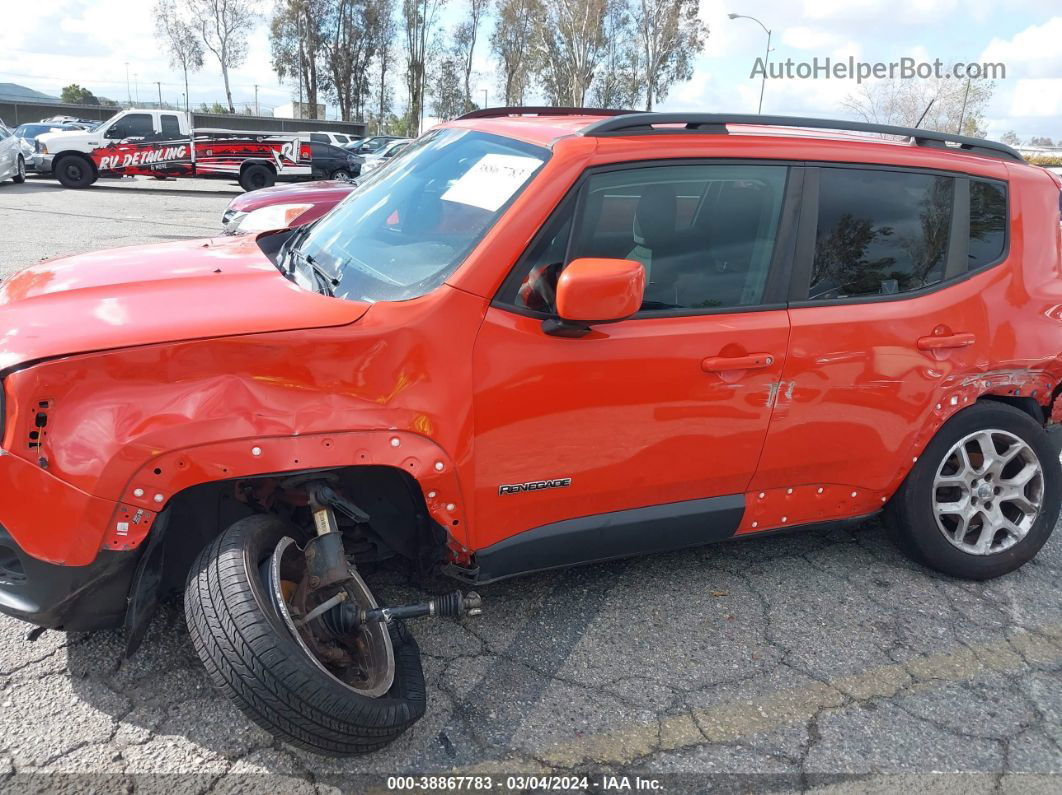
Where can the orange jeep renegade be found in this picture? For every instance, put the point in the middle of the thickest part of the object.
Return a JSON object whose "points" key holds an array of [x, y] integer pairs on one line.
{"points": [[540, 337]]}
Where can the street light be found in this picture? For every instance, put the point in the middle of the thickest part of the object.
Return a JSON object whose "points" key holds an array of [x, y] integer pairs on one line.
{"points": [[766, 55]]}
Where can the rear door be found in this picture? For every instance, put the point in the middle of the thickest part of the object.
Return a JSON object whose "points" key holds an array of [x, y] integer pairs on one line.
{"points": [[883, 315], [666, 411]]}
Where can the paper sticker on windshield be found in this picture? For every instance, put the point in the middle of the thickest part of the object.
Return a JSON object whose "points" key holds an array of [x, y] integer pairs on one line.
{"points": [[492, 181]]}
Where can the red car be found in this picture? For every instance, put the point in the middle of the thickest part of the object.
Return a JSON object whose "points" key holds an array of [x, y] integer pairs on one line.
{"points": [[539, 338], [283, 206]]}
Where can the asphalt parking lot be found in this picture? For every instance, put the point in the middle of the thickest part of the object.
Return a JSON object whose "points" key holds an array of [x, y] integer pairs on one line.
{"points": [[816, 661]]}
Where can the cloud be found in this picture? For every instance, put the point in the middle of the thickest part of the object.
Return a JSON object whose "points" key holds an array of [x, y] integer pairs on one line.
{"points": [[806, 38], [1033, 52]]}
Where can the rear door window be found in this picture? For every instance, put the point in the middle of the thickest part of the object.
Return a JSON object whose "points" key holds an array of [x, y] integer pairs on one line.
{"points": [[880, 232], [170, 125]]}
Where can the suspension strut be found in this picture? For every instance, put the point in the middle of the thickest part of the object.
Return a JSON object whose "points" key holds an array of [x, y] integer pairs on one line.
{"points": [[327, 566]]}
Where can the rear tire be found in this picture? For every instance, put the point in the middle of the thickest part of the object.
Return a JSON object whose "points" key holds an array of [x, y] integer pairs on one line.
{"points": [[253, 659], [340, 173], [257, 176], [917, 525], [20, 171], [74, 171]]}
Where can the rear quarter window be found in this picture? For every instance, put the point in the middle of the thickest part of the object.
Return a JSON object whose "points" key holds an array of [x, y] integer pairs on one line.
{"points": [[988, 222]]}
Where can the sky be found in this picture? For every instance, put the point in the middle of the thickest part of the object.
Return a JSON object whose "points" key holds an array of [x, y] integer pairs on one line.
{"points": [[91, 42]]}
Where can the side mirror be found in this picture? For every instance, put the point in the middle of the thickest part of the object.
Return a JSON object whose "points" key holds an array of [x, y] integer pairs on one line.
{"points": [[596, 290]]}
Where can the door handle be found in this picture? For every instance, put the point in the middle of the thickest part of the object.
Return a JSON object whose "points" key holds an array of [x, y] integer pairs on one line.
{"points": [[719, 364], [946, 341]]}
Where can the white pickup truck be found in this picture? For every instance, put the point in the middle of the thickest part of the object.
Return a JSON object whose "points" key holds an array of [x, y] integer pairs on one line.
{"points": [[162, 143]]}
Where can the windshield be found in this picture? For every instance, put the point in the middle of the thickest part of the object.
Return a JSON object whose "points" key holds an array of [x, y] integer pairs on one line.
{"points": [[407, 227]]}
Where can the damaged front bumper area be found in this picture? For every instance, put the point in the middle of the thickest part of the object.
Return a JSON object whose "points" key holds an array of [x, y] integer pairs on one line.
{"points": [[44, 522], [74, 598]]}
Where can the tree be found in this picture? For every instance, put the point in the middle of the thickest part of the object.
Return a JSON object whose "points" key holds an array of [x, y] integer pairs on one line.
{"points": [[355, 31], [180, 41], [933, 103], [448, 89], [1041, 141], [382, 91], [419, 17], [672, 35], [571, 36], [465, 44], [513, 42], [74, 94], [296, 41], [618, 81], [223, 28], [1010, 138]]}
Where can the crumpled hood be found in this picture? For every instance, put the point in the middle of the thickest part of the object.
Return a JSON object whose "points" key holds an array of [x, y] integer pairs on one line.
{"points": [[157, 293]]}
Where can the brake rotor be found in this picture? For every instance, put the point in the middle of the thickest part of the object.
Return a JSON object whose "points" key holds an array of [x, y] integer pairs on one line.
{"points": [[363, 659]]}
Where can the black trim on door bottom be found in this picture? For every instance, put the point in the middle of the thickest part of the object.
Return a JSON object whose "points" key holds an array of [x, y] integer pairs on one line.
{"points": [[620, 534]]}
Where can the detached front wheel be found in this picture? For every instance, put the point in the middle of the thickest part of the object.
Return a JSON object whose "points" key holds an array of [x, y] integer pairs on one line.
{"points": [[337, 696]]}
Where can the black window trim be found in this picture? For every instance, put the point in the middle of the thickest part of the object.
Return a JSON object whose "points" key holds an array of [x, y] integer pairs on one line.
{"points": [[785, 243], [958, 242]]}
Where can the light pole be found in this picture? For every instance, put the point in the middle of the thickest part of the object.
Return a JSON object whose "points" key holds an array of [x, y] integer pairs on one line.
{"points": [[484, 98], [766, 55]]}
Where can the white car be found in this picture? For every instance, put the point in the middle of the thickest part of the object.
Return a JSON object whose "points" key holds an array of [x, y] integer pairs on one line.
{"points": [[383, 156], [336, 139], [29, 133], [12, 161]]}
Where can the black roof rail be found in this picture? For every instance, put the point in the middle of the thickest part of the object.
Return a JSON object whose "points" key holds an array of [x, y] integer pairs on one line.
{"points": [[490, 113], [643, 124]]}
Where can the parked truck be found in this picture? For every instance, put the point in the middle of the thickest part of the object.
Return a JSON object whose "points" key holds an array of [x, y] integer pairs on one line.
{"points": [[163, 143]]}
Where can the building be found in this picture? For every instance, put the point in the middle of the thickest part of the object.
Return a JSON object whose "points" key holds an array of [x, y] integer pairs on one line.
{"points": [[298, 110]]}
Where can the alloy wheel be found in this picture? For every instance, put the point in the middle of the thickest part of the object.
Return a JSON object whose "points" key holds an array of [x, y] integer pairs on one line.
{"points": [[988, 492]]}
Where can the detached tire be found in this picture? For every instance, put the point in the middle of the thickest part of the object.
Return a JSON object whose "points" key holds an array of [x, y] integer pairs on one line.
{"points": [[983, 497], [257, 176], [252, 658], [74, 171]]}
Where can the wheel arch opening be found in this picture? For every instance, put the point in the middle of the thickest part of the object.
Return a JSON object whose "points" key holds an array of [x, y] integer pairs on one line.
{"points": [[1027, 404], [400, 524]]}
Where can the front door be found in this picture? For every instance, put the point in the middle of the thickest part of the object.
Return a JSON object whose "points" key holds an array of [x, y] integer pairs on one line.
{"points": [[662, 411]]}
